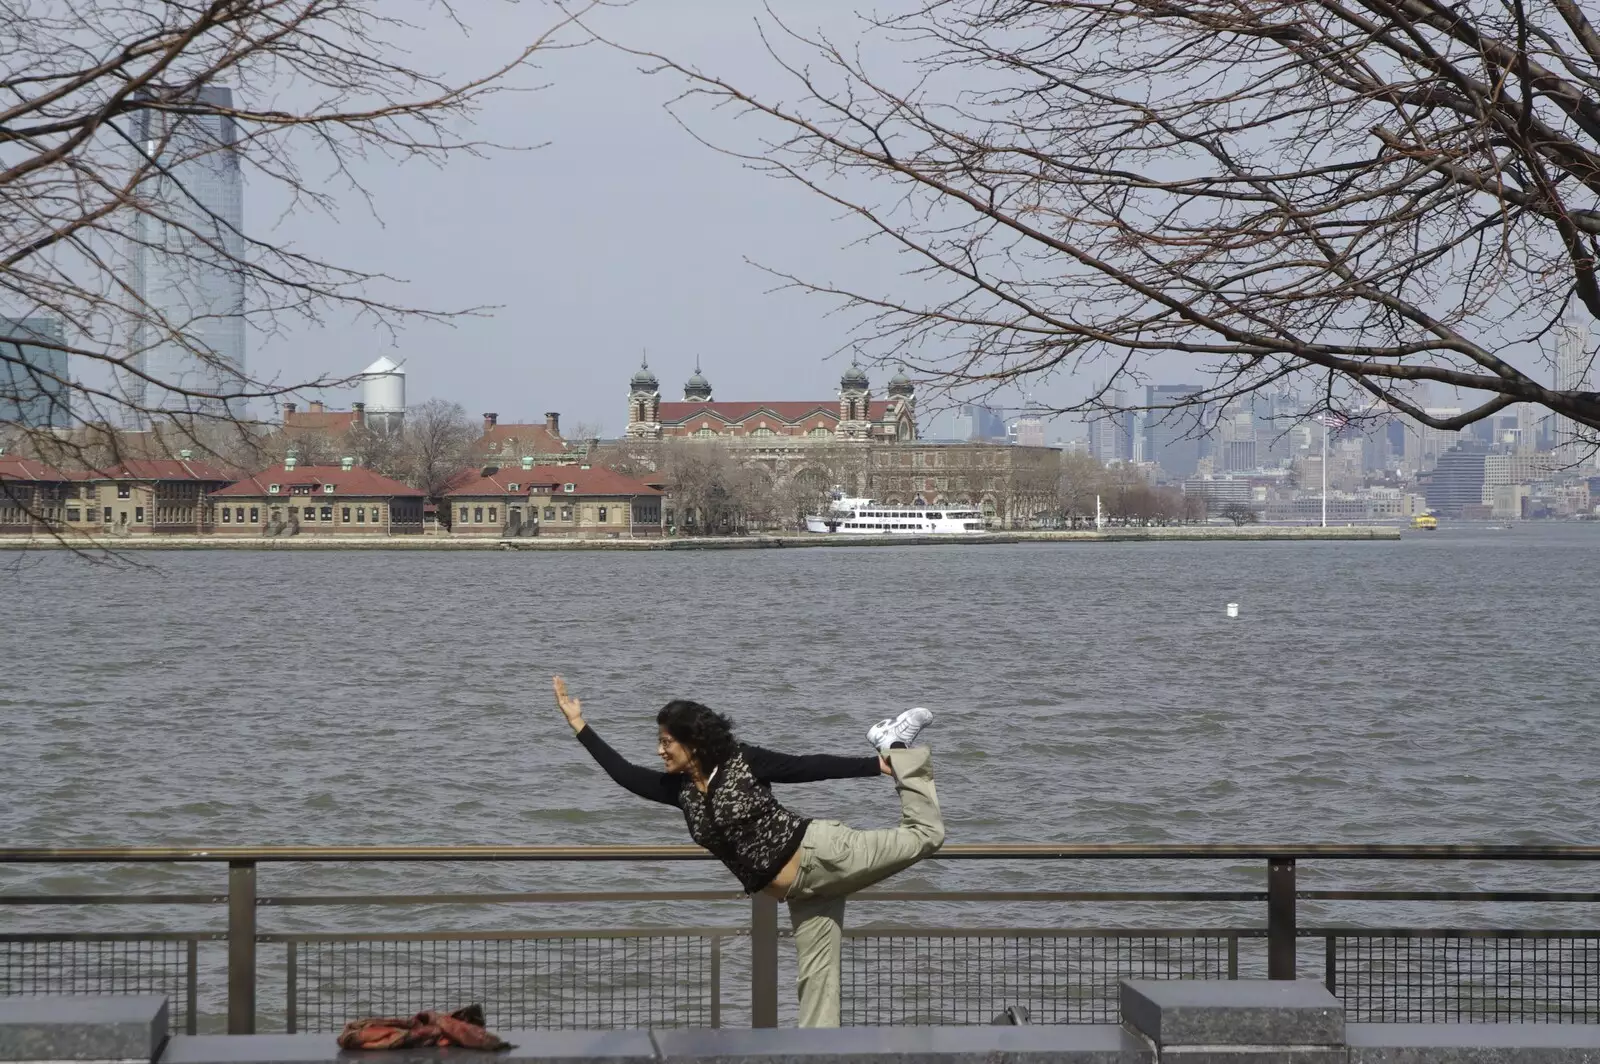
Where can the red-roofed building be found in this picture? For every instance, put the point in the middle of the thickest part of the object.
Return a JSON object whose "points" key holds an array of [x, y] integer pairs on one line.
{"points": [[345, 499], [553, 500], [855, 415], [505, 444], [317, 418], [32, 495], [145, 496]]}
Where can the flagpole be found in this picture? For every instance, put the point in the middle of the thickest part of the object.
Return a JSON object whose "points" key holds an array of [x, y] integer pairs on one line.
{"points": [[1324, 474]]}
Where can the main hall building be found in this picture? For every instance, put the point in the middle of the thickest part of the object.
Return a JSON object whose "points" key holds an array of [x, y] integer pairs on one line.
{"points": [[854, 416]]}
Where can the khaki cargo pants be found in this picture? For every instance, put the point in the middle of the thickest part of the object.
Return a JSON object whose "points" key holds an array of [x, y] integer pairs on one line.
{"points": [[836, 861]]}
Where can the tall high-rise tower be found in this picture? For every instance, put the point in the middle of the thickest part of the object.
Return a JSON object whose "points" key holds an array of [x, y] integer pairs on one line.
{"points": [[186, 252], [1573, 359]]}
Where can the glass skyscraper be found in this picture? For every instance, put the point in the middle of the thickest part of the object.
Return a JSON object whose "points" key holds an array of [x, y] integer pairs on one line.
{"points": [[33, 392], [187, 246]]}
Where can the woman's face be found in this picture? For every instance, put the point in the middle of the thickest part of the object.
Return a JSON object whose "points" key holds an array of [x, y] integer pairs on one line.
{"points": [[673, 753]]}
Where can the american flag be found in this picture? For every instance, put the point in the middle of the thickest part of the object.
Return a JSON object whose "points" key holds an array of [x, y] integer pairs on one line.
{"points": [[1332, 419]]}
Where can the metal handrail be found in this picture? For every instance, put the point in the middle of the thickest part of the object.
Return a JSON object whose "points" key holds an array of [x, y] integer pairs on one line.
{"points": [[243, 899], [954, 852]]}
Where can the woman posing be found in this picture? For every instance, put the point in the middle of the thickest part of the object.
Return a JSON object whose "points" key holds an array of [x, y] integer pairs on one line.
{"points": [[724, 788]]}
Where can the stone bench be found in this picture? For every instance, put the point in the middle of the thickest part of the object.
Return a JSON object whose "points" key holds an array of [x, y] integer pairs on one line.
{"points": [[1163, 1022]]}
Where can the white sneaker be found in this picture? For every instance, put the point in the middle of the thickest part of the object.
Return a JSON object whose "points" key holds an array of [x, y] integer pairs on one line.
{"points": [[902, 729]]}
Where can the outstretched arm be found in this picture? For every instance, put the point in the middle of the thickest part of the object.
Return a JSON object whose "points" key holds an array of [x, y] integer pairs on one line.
{"points": [[657, 786], [770, 766]]}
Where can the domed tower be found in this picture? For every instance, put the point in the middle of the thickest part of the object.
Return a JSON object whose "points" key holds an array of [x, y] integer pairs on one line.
{"points": [[902, 408], [854, 398], [644, 403], [697, 389]]}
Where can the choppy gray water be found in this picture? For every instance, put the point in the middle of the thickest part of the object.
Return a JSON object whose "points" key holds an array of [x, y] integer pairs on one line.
{"points": [[1439, 689]]}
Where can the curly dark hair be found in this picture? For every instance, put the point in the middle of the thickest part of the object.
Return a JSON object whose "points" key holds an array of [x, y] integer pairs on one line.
{"points": [[707, 733]]}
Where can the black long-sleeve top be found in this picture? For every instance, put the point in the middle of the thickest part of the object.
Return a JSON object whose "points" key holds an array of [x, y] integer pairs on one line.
{"points": [[736, 818]]}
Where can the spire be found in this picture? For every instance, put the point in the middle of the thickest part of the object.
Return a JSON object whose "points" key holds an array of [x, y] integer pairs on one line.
{"points": [[697, 389]]}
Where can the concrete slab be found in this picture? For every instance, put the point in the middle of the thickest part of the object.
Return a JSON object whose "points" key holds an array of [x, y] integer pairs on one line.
{"points": [[1473, 1043], [83, 1027], [551, 1047], [1078, 1044], [1256, 1012]]}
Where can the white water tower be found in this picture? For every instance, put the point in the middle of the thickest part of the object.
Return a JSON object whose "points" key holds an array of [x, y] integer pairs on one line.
{"points": [[383, 392]]}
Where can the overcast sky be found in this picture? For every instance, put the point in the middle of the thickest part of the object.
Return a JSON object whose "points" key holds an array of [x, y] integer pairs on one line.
{"points": [[621, 235]]}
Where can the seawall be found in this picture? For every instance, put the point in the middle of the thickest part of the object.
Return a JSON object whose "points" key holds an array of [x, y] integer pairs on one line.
{"points": [[1249, 533]]}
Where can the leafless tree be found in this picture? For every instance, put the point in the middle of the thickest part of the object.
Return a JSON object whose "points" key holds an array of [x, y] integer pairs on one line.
{"points": [[1083, 477], [436, 446], [127, 275], [1378, 194]]}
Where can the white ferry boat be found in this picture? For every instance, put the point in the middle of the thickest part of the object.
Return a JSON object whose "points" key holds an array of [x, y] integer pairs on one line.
{"points": [[865, 517]]}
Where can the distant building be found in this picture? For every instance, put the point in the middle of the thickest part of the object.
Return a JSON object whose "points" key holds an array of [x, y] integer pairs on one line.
{"points": [[973, 423], [524, 499], [345, 499], [186, 255], [32, 495], [1028, 429], [1111, 435], [33, 376], [855, 416], [1573, 359], [508, 443], [145, 497], [1171, 437], [1455, 488]]}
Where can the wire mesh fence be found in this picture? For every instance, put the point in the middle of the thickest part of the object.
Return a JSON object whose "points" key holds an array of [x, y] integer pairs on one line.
{"points": [[1459, 976], [914, 976], [523, 980], [33, 965]]}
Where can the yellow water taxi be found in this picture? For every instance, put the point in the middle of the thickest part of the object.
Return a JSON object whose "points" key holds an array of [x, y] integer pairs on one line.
{"points": [[1425, 522]]}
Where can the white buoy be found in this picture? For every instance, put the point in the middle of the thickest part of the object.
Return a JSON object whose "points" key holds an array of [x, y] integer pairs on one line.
{"points": [[1233, 609]]}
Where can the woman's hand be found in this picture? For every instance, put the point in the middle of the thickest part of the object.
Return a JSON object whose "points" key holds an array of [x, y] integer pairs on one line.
{"points": [[571, 708], [884, 767]]}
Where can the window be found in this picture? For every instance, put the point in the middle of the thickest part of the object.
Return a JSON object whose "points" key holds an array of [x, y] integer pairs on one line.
{"points": [[569, 488], [311, 513], [344, 515], [549, 513], [361, 515], [238, 514], [511, 486], [122, 491], [763, 431], [819, 432], [138, 514], [227, 516], [87, 491], [602, 515], [491, 515], [327, 513], [107, 512], [477, 515], [72, 515], [566, 513], [464, 515], [704, 432], [255, 515]]}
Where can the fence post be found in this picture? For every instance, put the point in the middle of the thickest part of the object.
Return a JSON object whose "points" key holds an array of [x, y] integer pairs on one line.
{"points": [[763, 961], [1280, 918], [241, 947]]}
